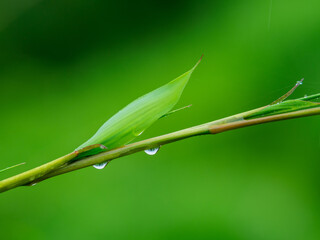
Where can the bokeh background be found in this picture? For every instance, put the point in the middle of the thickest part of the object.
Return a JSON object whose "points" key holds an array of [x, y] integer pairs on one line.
{"points": [[67, 66]]}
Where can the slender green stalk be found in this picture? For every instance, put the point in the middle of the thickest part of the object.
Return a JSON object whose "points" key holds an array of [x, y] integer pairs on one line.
{"points": [[62, 165], [38, 172], [285, 96], [7, 168], [209, 128], [35, 173]]}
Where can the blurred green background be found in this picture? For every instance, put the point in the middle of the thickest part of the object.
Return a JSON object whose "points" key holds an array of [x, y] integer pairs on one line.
{"points": [[67, 66]]}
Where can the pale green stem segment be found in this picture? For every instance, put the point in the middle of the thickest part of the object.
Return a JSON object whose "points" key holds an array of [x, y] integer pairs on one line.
{"points": [[30, 176], [35, 173], [222, 125]]}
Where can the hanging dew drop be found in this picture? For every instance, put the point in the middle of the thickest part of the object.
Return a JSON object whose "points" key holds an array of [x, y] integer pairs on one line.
{"points": [[152, 151], [101, 165]]}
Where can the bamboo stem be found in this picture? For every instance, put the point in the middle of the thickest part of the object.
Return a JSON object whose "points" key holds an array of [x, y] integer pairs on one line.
{"points": [[62, 165], [35, 173]]}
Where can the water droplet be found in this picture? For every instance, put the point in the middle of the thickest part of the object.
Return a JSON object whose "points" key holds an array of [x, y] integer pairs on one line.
{"points": [[152, 151], [138, 132], [305, 95], [33, 184], [101, 165]]}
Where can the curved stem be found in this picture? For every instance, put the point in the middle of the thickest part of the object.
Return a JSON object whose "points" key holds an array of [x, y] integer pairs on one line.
{"points": [[209, 128], [234, 122]]}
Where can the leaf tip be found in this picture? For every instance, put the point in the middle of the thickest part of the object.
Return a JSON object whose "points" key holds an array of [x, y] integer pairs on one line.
{"points": [[197, 63]]}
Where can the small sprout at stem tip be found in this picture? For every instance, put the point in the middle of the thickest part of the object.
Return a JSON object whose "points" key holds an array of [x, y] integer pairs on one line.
{"points": [[285, 96]]}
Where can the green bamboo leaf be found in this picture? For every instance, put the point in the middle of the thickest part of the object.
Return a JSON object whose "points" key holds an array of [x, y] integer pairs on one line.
{"points": [[284, 107], [314, 97], [136, 117]]}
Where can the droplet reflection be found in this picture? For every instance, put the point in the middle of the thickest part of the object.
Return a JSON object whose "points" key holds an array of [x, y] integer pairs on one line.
{"points": [[101, 165], [152, 151]]}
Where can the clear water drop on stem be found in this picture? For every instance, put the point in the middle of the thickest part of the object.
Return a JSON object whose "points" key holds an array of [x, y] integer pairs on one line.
{"points": [[152, 151], [101, 165]]}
